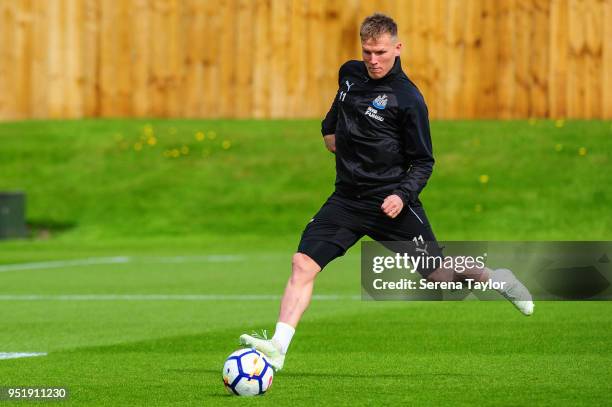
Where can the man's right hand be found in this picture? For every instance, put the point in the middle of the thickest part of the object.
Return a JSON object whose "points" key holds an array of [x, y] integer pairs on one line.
{"points": [[330, 142]]}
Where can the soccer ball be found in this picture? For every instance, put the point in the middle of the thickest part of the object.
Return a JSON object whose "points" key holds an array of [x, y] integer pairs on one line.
{"points": [[247, 372]]}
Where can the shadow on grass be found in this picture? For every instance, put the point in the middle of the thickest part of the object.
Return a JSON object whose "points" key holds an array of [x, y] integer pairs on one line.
{"points": [[195, 343], [46, 228], [209, 342], [336, 375]]}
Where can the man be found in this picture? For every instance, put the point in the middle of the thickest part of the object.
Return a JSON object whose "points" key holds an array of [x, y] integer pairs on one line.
{"points": [[378, 129]]}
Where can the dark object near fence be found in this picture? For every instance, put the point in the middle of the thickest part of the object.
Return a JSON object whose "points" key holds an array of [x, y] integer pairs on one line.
{"points": [[12, 215]]}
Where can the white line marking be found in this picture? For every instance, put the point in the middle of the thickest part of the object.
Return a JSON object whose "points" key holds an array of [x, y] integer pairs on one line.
{"points": [[214, 258], [167, 297], [17, 355], [415, 214], [64, 263]]}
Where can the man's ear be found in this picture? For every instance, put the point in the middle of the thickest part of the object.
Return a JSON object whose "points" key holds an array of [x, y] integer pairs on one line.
{"points": [[398, 48]]}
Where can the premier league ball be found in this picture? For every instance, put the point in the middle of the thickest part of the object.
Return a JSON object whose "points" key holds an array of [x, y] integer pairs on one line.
{"points": [[247, 372]]}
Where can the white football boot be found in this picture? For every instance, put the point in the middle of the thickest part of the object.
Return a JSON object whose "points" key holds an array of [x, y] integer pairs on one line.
{"points": [[266, 346], [514, 291]]}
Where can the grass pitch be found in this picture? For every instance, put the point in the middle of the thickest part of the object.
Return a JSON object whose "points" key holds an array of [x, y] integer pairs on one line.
{"points": [[111, 348], [191, 225]]}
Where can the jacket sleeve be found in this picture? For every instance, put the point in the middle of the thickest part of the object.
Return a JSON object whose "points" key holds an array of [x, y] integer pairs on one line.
{"points": [[328, 125], [418, 151]]}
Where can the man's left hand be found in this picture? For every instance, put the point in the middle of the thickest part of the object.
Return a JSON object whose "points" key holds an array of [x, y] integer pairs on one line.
{"points": [[392, 206]]}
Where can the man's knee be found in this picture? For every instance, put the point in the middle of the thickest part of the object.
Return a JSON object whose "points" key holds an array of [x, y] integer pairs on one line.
{"points": [[441, 274], [303, 268], [447, 274]]}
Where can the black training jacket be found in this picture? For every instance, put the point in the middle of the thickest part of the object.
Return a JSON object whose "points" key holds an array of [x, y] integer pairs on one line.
{"points": [[382, 134]]}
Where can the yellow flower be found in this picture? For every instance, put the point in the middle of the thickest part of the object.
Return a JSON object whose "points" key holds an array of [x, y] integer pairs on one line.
{"points": [[582, 151], [559, 147], [559, 123], [226, 144], [137, 146], [199, 136], [484, 178], [152, 141], [147, 130], [175, 153], [533, 121], [184, 150]]}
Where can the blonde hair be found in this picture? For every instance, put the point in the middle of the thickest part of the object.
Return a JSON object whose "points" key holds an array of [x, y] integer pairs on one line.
{"points": [[376, 25]]}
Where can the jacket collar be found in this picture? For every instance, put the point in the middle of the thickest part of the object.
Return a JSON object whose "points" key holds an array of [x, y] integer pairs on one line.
{"points": [[395, 70]]}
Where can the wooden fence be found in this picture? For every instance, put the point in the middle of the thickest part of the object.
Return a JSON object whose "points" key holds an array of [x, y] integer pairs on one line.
{"points": [[279, 58]]}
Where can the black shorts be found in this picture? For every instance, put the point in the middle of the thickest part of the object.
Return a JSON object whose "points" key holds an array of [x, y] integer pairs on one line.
{"points": [[342, 221]]}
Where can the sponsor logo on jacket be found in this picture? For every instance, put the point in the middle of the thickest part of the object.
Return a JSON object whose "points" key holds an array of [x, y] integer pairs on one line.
{"points": [[379, 103], [373, 113]]}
